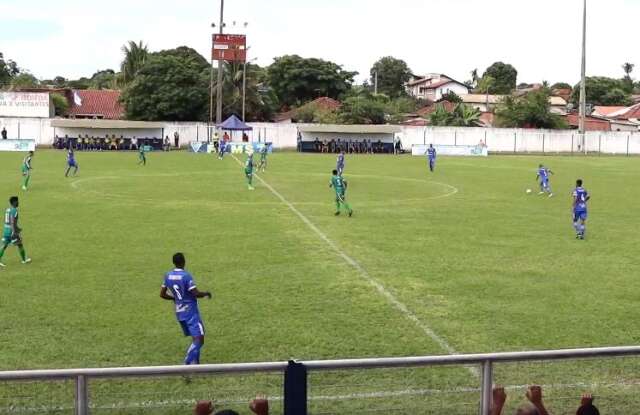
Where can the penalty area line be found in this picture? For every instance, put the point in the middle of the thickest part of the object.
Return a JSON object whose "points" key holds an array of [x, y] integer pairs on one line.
{"points": [[382, 290]]}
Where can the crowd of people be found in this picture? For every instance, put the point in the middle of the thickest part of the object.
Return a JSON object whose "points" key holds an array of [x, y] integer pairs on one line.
{"points": [[114, 143], [350, 146]]}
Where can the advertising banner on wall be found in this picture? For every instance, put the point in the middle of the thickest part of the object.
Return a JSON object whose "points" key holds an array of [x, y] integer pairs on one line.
{"points": [[25, 104], [17, 145], [442, 150]]}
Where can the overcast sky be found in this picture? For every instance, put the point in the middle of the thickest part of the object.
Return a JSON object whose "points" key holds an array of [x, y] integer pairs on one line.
{"points": [[541, 38]]}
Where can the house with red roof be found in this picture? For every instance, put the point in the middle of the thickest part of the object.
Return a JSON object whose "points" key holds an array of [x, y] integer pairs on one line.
{"points": [[101, 104], [433, 87]]}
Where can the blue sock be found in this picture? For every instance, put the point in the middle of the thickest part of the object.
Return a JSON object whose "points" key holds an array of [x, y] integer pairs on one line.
{"points": [[193, 353]]}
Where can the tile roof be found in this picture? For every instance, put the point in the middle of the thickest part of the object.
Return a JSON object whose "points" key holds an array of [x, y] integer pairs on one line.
{"points": [[102, 103], [425, 111], [632, 112], [604, 111], [590, 124]]}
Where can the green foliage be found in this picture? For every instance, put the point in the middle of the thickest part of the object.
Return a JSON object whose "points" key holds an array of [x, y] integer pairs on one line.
{"points": [[8, 70], [604, 91], [171, 85], [397, 109], [505, 77], [485, 84], [135, 55], [561, 85], [362, 110], [452, 97], [296, 80], [532, 110], [24, 80], [462, 116], [60, 104], [105, 79], [393, 74]]}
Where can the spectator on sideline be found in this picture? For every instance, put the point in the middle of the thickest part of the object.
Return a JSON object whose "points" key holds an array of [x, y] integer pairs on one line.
{"points": [[176, 139], [225, 136], [586, 406], [167, 144], [259, 406], [536, 405], [203, 408], [134, 143], [4, 133]]}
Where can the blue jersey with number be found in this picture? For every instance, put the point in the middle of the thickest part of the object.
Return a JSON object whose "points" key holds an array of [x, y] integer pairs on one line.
{"points": [[431, 153], [71, 158], [340, 160], [580, 199], [543, 172], [181, 284]]}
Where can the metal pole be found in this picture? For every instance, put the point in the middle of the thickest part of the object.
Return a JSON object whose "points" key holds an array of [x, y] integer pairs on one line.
{"points": [[82, 399], [515, 141], [244, 88], [543, 136], [583, 79], [486, 387], [376, 83], [211, 94], [220, 70], [628, 139]]}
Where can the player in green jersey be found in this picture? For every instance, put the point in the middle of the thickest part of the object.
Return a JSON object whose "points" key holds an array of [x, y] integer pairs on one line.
{"points": [[263, 158], [11, 231], [248, 171], [26, 170], [340, 186], [142, 158]]}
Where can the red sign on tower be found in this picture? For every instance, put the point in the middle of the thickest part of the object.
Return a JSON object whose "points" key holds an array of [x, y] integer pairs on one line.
{"points": [[231, 48]]}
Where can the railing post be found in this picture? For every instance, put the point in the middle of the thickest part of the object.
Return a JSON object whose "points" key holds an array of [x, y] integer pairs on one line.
{"points": [[486, 388], [628, 139], [295, 389], [543, 137], [82, 399], [515, 141]]}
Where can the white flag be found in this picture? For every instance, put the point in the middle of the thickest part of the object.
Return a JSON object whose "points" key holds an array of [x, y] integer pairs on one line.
{"points": [[76, 99]]}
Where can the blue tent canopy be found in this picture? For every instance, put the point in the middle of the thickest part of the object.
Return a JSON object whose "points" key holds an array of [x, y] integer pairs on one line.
{"points": [[234, 123]]}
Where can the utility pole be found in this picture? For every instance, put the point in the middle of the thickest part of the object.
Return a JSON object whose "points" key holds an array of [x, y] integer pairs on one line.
{"points": [[375, 88], [583, 80], [220, 70]]}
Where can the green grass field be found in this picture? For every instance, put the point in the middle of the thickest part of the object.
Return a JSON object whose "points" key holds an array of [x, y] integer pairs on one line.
{"points": [[475, 259]]}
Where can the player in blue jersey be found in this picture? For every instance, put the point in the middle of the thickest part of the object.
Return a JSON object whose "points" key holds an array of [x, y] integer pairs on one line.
{"points": [[431, 155], [222, 146], [71, 162], [543, 178], [179, 287], [580, 199], [340, 163]]}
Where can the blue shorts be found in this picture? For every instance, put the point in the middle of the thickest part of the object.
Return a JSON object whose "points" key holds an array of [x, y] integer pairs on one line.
{"points": [[580, 215], [72, 164], [193, 326]]}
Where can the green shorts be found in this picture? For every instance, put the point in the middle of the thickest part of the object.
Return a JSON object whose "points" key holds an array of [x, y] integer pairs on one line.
{"points": [[340, 196], [6, 239], [25, 170]]}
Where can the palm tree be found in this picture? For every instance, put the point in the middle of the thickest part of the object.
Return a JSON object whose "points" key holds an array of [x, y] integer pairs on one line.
{"points": [[628, 68], [466, 116], [135, 55]]}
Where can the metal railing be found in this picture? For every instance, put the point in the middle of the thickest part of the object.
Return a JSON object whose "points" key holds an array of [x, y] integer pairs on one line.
{"points": [[296, 372]]}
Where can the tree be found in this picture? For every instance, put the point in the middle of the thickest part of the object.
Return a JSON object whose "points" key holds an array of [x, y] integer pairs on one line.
{"points": [[451, 97], [105, 79], [171, 85], [604, 91], [628, 68], [135, 55], [392, 76], [362, 110], [505, 77], [532, 110], [8, 69], [60, 104], [24, 80], [561, 85], [297, 80], [473, 82], [462, 116]]}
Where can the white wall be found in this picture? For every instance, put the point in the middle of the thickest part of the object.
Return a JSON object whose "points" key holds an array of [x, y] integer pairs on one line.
{"points": [[453, 87], [499, 140]]}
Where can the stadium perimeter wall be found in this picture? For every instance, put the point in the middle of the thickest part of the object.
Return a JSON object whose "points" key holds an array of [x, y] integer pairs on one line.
{"points": [[284, 136]]}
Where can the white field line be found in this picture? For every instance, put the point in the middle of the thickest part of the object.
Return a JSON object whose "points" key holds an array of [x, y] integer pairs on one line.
{"points": [[392, 299], [343, 397]]}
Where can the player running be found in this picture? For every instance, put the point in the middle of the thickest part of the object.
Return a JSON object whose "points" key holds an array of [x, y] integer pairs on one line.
{"points": [[340, 187], [142, 157], [431, 156], [580, 199], [248, 171], [264, 151], [185, 294], [222, 146], [26, 170], [543, 178], [11, 231], [340, 163], [71, 162]]}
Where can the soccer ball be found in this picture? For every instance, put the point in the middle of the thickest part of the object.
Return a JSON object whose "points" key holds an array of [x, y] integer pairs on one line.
{"points": [[529, 191]]}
